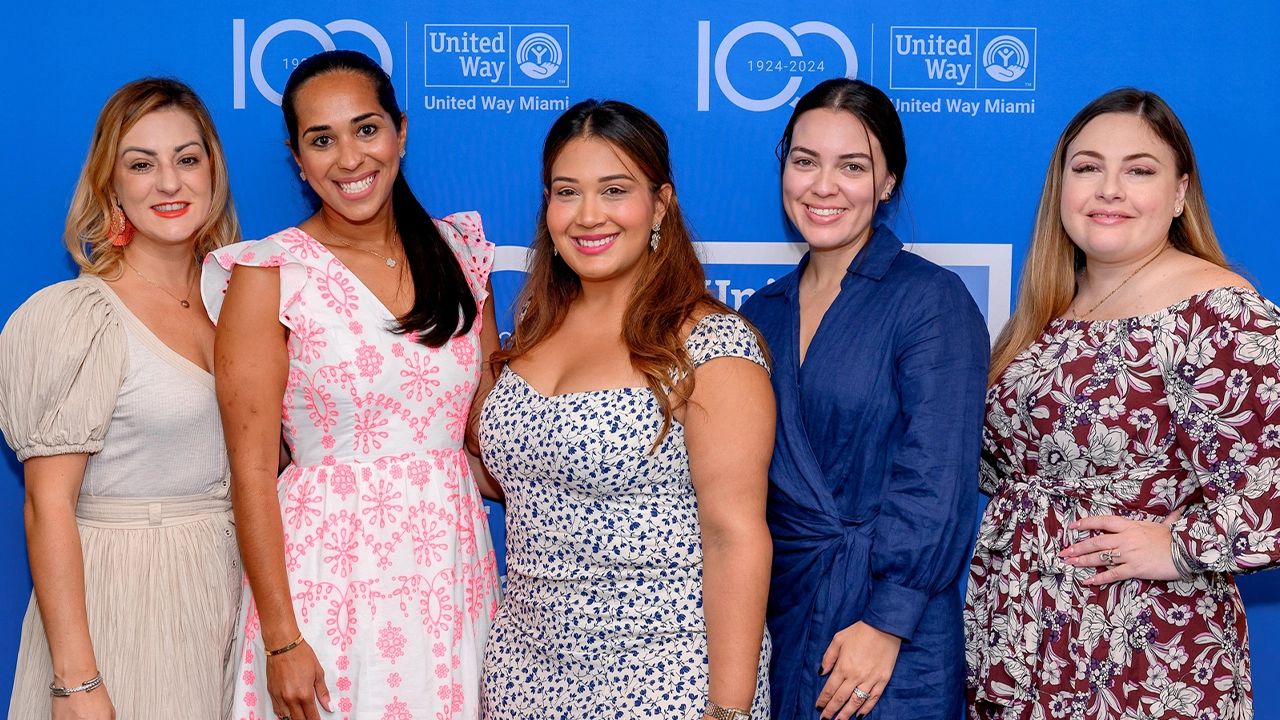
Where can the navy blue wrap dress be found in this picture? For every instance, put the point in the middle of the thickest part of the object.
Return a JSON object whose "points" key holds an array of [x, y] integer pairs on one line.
{"points": [[874, 478]]}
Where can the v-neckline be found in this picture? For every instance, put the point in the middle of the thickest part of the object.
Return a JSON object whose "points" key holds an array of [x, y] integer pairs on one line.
{"points": [[381, 305], [798, 316], [149, 339]]}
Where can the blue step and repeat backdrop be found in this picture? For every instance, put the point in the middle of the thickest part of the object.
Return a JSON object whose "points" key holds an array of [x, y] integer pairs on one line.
{"points": [[983, 88]]}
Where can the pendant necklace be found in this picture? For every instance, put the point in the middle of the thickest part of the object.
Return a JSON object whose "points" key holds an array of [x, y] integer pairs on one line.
{"points": [[181, 301], [389, 261], [1077, 317]]}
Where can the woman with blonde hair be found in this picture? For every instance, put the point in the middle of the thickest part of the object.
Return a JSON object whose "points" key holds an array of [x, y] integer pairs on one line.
{"points": [[107, 399], [1130, 444]]}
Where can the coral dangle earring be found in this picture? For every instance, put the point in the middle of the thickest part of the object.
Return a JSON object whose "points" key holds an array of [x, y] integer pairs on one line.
{"points": [[120, 230]]}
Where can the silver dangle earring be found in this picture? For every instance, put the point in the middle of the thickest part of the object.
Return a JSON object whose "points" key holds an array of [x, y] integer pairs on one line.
{"points": [[654, 237], [402, 153], [302, 174]]}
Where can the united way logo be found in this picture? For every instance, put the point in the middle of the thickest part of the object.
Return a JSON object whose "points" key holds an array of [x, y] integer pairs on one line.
{"points": [[282, 45], [506, 56], [539, 56], [1006, 58], [962, 58], [761, 66]]}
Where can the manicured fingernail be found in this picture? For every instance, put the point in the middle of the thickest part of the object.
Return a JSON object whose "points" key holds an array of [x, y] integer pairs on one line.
{"points": [[1074, 525]]}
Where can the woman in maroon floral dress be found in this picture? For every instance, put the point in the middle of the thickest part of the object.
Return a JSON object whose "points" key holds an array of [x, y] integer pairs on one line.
{"points": [[1131, 444]]}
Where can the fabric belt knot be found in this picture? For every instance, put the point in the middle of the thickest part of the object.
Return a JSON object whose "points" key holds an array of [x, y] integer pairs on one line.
{"points": [[831, 555], [1021, 551]]}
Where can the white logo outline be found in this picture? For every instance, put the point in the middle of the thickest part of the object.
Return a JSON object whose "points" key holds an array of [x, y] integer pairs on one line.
{"points": [[539, 43], [1006, 46], [322, 35], [787, 36]]}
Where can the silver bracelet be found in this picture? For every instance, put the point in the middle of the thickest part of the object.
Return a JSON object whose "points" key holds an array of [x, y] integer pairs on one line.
{"points": [[1181, 561], [82, 687]]}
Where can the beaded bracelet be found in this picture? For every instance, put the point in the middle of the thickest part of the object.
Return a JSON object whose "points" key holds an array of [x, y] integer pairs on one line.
{"points": [[85, 686], [1181, 561]]}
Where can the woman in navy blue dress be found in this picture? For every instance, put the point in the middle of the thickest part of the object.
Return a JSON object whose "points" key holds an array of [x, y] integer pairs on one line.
{"points": [[880, 373]]}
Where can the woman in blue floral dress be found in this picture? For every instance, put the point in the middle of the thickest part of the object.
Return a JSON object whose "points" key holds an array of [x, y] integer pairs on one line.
{"points": [[630, 429]]}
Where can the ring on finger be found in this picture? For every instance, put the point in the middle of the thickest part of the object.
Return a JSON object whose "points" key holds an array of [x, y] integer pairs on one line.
{"points": [[861, 695], [1109, 556]]}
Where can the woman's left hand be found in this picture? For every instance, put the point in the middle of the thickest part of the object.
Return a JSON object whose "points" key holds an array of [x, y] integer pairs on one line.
{"points": [[860, 658], [1135, 549]]}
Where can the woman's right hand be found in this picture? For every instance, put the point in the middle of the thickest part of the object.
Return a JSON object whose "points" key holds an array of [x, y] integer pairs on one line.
{"points": [[295, 681], [92, 704]]}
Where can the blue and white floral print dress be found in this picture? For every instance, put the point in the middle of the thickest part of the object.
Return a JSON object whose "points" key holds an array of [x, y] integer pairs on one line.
{"points": [[603, 613]]}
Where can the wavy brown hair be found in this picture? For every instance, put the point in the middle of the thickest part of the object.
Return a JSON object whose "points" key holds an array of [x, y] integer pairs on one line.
{"points": [[1048, 283], [671, 287], [89, 218]]}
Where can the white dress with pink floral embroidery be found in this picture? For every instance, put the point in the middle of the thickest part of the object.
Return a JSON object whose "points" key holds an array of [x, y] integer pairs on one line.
{"points": [[386, 542]]}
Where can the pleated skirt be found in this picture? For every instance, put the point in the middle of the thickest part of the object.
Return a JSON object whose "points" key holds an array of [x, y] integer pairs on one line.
{"points": [[162, 591]]}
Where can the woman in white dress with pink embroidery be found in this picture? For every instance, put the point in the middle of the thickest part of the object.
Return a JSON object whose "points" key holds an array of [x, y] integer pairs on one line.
{"points": [[372, 583]]}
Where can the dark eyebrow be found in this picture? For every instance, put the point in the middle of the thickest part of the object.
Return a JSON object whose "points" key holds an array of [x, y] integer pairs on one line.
{"points": [[144, 151], [845, 156], [562, 178], [354, 120], [611, 178], [185, 145]]}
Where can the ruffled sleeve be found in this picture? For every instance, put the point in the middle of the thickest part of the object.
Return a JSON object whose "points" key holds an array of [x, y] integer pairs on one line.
{"points": [[1223, 388], [722, 335], [65, 356], [285, 250], [475, 253]]}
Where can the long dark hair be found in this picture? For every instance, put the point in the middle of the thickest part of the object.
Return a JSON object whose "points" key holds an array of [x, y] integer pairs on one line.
{"points": [[442, 304], [672, 285], [872, 107]]}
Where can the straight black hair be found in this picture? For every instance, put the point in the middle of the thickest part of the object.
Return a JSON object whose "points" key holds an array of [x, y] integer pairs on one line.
{"points": [[443, 305], [867, 103]]}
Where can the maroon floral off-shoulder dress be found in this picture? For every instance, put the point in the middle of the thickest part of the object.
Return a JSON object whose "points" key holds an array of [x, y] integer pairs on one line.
{"points": [[1135, 417]]}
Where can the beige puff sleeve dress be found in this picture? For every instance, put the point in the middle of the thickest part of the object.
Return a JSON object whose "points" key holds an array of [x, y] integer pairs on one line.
{"points": [[79, 373]]}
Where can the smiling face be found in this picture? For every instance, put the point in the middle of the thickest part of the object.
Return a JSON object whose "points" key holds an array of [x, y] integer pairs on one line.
{"points": [[829, 189], [348, 145], [601, 210], [1120, 189], [162, 177]]}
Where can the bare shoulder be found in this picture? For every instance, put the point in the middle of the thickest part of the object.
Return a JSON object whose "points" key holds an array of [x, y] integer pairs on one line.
{"points": [[1192, 276]]}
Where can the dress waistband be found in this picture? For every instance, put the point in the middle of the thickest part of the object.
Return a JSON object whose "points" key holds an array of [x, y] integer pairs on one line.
{"points": [[149, 511]]}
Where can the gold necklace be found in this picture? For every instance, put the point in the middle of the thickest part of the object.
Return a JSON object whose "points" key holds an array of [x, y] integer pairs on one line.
{"points": [[389, 261], [181, 301], [1076, 316]]}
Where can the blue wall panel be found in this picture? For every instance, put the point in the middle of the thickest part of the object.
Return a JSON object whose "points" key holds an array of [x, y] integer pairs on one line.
{"points": [[983, 88]]}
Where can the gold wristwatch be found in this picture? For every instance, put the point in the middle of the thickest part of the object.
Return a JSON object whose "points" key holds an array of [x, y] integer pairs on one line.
{"points": [[719, 713]]}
